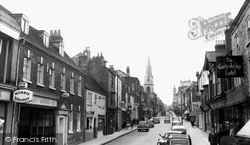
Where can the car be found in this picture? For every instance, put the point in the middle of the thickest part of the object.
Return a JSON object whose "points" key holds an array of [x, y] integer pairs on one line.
{"points": [[176, 122], [150, 124], [175, 139], [143, 125], [156, 120], [167, 119], [179, 128]]}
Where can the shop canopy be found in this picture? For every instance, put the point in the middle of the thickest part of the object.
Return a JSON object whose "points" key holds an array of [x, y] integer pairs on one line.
{"points": [[244, 131]]}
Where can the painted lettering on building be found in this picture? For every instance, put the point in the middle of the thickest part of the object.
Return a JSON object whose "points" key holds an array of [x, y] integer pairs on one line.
{"points": [[210, 28]]}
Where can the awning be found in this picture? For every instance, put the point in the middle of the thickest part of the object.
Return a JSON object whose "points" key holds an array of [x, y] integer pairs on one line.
{"points": [[187, 112], [244, 131], [193, 113]]}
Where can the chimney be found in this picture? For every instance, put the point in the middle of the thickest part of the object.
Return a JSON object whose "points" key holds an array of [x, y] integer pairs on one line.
{"points": [[220, 45], [111, 67], [128, 71]]}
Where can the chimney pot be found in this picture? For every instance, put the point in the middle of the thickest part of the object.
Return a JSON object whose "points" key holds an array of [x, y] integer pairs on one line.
{"points": [[55, 32]]}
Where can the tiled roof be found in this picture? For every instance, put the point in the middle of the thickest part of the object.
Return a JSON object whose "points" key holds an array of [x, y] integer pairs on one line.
{"points": [[93, 85], [211, 55]]}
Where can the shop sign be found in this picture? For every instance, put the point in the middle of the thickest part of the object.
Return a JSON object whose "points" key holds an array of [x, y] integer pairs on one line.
{"points": [[210, 28], [229, 66], [43, 102], [4, 95], [23, 96]]}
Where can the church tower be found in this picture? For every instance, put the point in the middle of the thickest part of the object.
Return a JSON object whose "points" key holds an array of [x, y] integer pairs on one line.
{"points": [[148, 79]]}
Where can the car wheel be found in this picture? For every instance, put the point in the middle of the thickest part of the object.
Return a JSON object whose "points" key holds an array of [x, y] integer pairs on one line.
{"points": [[138, 130]]}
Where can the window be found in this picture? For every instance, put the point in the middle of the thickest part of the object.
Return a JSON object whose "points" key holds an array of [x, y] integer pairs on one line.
{"points": [[71, 121], [63, 79], [1, 45], [237, 40], [133, 86], [89, 123], [46, 39], [218, 83], [40, 72], [112, 82], [25, 25], [248, 29], [27, 67], [89, 99], [96, 99], [72, 83], [61, 49], [78, 121], [52, 76], [80, 86]]}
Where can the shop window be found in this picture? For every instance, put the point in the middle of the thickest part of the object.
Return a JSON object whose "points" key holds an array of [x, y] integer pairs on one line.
{"points": [[89, 123], [2, 120], [36, 122]]}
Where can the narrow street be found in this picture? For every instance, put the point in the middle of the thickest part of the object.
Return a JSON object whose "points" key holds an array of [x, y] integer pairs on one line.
{"points": [[151, 137]]}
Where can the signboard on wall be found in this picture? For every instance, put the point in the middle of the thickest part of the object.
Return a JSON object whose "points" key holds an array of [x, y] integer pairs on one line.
{"points": [[23, 96], [229, 66]]}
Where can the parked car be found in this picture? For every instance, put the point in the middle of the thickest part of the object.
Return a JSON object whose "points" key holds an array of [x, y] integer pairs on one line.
{"points": [[150, 124], [156, 120], [143, 125], [175, 138], [167, 119], [179, 128]]}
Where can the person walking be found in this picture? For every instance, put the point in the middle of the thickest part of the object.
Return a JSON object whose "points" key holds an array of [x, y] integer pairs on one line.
{"points": [[192, 122], [131, 124], [231, 133], [212, 137]]}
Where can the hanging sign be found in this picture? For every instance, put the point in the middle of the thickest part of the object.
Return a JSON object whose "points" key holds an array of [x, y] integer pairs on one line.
{"points": [[229, 66], [23, 96]]}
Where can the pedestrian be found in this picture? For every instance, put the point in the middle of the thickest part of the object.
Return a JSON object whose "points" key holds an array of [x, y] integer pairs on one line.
{"points": [[212, 137], [131, 124], [231, 133], [127, 125], [192, 122]]}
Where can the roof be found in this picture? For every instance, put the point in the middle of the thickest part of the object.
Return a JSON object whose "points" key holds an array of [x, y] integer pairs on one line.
{"points": [[182, 136], [210, 57], [178, 127], [93, 85]]}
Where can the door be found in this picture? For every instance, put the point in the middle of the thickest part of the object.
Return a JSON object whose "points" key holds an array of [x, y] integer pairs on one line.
{"points": [[62, 129]]}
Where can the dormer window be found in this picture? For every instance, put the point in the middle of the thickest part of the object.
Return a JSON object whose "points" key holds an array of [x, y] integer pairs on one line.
{"points": [[46, 39], [25, 24], [61, 49]]}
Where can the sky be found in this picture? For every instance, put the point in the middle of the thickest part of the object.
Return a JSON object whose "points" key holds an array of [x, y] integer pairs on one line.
{"points": [[128, 32]]}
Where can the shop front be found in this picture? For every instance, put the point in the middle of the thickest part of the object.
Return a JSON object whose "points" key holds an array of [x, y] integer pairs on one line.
{"points": [[39, 119], [5, 115]]}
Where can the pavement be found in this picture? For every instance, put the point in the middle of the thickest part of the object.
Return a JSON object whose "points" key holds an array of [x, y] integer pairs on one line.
{"points": [[102, 140], [198, 136]]}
